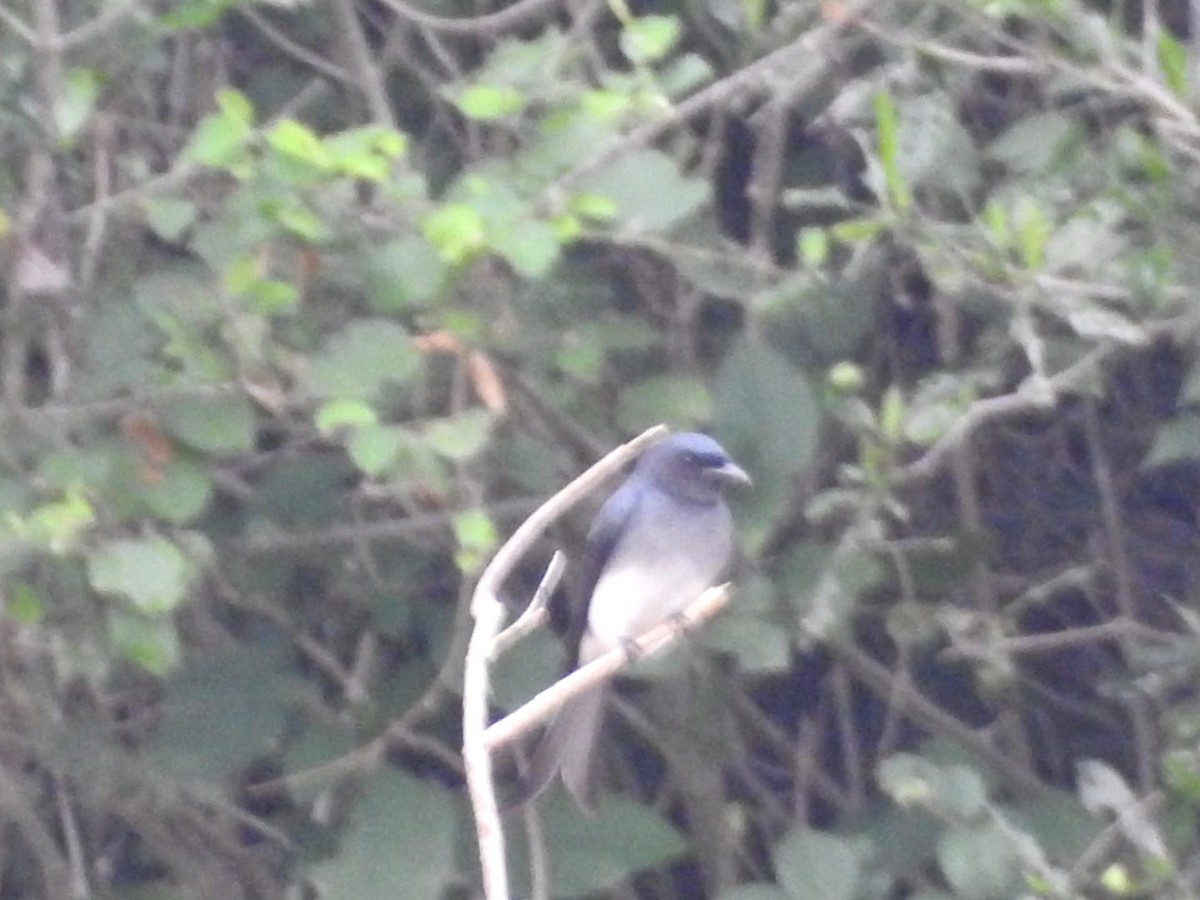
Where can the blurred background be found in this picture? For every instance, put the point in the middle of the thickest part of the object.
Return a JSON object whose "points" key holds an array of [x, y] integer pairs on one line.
{"points": [[308, 303]]}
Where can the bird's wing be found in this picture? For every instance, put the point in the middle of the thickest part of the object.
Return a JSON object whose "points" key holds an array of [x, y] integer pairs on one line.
{"points": [[606, 532]]}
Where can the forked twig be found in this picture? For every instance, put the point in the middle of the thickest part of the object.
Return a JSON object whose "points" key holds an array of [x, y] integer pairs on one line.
{"points": [[488, 613]]}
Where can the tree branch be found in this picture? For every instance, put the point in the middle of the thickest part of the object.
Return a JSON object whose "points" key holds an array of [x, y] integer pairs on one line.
{"points": [[488, 613], [545, 704]]}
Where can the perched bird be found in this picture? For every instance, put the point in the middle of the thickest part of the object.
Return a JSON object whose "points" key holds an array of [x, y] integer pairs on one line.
{"points": [[658, 542]]}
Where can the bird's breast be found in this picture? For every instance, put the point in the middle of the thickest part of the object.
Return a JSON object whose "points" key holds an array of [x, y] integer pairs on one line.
{"points": [[655, 572]]}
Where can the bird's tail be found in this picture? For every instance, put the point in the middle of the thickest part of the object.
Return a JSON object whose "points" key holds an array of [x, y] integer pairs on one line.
{"points": [[568, 746]]}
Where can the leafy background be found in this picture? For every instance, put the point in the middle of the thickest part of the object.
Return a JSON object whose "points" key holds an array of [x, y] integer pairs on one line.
{"points": [[308, 302]]}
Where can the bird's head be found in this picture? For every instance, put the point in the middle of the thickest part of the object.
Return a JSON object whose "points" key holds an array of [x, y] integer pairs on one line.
{"points": [[691, 467]]}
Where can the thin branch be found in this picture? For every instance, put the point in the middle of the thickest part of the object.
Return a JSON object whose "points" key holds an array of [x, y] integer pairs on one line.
{"points": [[369, 79], [802, 64], [18, 25], [924, 712], [545, 704], [489, 618], [290, 48], [536, 614], [523, 539], [1057, 641], [385, 529], [492, 24], [992, 409], [488, 613], [94, 28]]}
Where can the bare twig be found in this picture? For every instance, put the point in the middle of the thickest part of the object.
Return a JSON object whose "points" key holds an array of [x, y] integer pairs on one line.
{"points": [[368, 74], [18, 26], [112, 16], [545, 704], [536, 613], [803, 63], [290, 48], [488, 613], [924, 712], [1005, 406], [493, 24]]}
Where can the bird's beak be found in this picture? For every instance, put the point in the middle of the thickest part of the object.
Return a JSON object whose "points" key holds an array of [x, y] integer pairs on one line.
{"points": [[733, 474]]}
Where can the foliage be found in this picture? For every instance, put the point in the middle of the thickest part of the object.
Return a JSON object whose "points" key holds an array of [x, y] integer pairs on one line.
{"points": [[308, 304]]}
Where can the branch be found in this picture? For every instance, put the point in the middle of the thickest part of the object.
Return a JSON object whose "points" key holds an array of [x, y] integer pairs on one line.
{"points": [[370, 80], [548, 702], [801, 64], [488, 613], [492, 24], [537, 613]]}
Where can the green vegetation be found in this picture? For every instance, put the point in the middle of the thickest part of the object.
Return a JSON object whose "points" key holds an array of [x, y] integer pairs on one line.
{"points": [[307, 304]]}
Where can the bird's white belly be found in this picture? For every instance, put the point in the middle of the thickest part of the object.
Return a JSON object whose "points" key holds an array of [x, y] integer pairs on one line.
{"points": [[628, 600]]}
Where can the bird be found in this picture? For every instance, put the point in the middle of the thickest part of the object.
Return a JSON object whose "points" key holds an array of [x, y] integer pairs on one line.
{"points": [[658, 542]]}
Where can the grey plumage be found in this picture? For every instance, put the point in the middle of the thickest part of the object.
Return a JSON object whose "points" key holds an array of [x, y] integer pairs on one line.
{"points": [[658, 542]]}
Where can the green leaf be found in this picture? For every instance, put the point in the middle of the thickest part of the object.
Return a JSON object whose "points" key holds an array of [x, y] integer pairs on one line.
{"points": [[935, 152], [300, 143], [649, 191], [151, 572], [753, 892], [593, 206], [399, 841], [244, 279], [179, 493], [58, 525], [404, 274], [24, 604], [605, 105], [1178, 438], [235, 106], [952, 790], [375, 448], [530, 246], [223, 708], [826, 583], [170, 217], [666, 398], [1173, 59], [592, 854], [581, 356], [1034, 142], [648, 39], [1033, 231], [220, 140], [340, 414], [459, 437], [221, 423], [302, 491], [456, 230], [683, 75], [367, 152], [518, 676], [194, 14], [815, 865], [979, 862], [151, 642], [300, 219], [887, 126], [487, 102], [813, 247], [476, 535], [750, 631], [357, 361], [767, 415], [74, 107]]}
